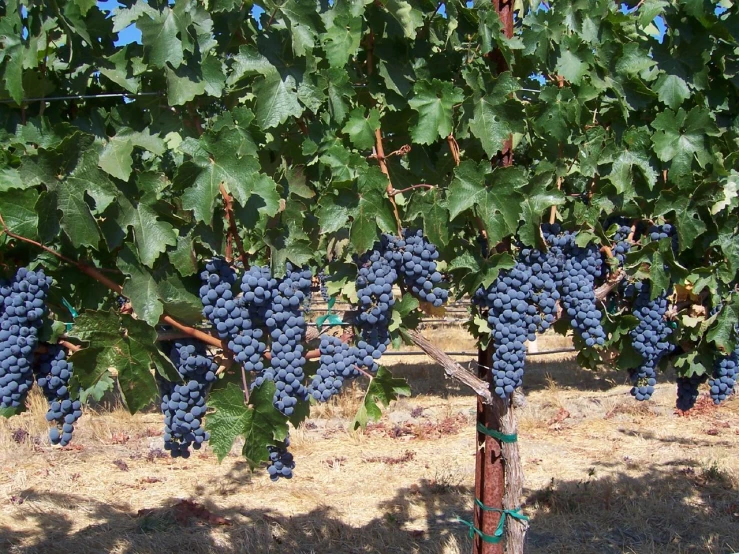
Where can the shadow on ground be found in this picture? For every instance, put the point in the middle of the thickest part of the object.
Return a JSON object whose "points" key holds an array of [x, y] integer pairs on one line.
{"points": [[666, 510]]}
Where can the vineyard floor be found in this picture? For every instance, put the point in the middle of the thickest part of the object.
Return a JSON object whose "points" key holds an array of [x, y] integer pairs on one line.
{"points": [[604, 474]]}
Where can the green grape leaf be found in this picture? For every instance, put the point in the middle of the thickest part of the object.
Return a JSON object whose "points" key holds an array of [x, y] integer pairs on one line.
{"points": [[140, 288], [18, 211], [361, 129], [434, 102], [623, 172], [671, 90], [277, 99], [341, 41], [407, 18], [229, 418], [159, 35], [116, 160], [722, 331], [10, 179], [151, 234], [383, 389], [123, 343], [681, 138], [12, 52], [263, 426], [493, 194]]}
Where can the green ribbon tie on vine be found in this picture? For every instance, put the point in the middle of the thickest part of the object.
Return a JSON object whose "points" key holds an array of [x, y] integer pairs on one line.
{"points": [[498, 535], [502, 437], [332, 319], [72, 311]]}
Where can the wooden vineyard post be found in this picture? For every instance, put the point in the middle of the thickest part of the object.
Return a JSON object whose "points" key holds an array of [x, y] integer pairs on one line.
{"points": [[498, 468], [489, 470]]}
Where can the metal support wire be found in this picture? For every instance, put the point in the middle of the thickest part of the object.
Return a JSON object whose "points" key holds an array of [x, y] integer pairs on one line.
{"points": [[472, 353], [81, 97]]}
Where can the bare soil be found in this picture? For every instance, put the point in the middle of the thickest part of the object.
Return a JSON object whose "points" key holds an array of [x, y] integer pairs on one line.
{"points": [[604, 474]]}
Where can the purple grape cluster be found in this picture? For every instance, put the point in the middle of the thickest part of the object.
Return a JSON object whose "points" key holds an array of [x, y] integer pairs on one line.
{"points": [[183, 404], [322, 286], [688, 390], [623, 245], [375, 279], [649, 338], [415, 258], [281, 462], [53, 373], [22, 309], [507, 302], [336, 364], [286, 326], [216, 294], [724, 377]]}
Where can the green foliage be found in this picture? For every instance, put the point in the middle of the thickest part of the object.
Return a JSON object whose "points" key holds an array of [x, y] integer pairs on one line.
{"points": [[383, 389], [280, 113]]}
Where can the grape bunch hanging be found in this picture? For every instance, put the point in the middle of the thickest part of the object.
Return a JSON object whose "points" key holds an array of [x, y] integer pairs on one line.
{"points": [[257, 312]]}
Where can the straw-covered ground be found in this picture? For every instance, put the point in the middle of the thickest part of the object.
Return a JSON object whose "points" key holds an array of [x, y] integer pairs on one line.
{"points": [[604, 474]]}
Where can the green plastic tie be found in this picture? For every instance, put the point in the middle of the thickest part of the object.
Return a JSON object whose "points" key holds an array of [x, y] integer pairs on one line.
{"points": [[498, 535], [70, 308], [502, 437]]}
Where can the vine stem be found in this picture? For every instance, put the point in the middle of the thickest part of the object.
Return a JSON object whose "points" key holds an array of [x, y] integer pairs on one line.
{"points": [[402, 151], [69, 346], [95, 274], [233, 231], [383, 168], [412, 187], [379, 149]]}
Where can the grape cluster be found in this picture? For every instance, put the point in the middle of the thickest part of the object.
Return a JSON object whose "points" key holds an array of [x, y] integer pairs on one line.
{"points": [[183, 404], [335, 365], [723, 380], [415, 258], [664, 231], [687, 391], [322, 285], [649, 338], [508, 313], [623, 245], [281, 463], [574, 275], [53, 373], [545, 268], [22, 308], [216, 294], [375, 280], [258, 288], [287, 330]]}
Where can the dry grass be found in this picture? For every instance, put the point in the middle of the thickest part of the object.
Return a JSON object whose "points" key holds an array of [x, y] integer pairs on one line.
{"points": [[604, 475]]}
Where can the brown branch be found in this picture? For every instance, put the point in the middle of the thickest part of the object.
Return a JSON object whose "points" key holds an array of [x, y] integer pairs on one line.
{"points": [[613, 281], [451, 367], [271, 18], [363, 372], [607, 251], [69, 346], [412, 187], [233, 231], [95, 274], [383, 168]]}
